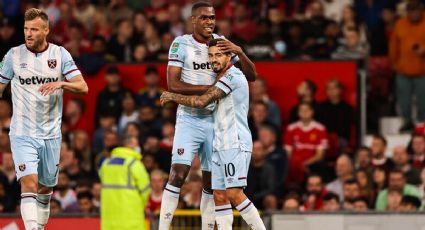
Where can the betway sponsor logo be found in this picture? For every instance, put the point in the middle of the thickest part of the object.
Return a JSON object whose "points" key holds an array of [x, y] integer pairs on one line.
{"points": [[36, 80], [197, 66]]}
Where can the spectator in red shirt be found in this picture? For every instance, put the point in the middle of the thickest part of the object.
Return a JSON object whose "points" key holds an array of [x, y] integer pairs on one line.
{"points": [[157, 186], [73, 116], [315, 193], [305, 143], [243, 26]]}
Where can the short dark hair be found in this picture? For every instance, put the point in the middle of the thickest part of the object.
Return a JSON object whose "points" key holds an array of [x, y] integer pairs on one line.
{"points": [[311, 85], [34, 13], [380, 137], [350, 182], [85, 194], [213, 42], [112, 70], [331, 196], [412, 200], [200, 4], [151, 69]]}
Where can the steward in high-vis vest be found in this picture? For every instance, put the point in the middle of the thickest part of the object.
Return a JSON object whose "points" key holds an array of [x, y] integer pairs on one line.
{"points": [[125, 189]]}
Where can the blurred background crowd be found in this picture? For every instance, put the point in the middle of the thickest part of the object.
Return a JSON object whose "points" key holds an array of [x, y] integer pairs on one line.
{"points": [[308, 162]]}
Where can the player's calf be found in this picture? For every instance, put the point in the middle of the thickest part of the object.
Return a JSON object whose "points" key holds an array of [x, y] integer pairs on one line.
{"points": [[170, 197], [247, 209], [29, 187], [43, 206], [223, 210]]}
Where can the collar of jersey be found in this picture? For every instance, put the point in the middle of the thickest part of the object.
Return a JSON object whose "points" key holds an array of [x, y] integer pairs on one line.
{"points": [[36, 52]]}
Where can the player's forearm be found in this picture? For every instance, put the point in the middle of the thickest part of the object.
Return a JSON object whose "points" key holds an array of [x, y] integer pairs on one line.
{"points": [[247, 67], [192, 101], [76, 87], [186, 88]]}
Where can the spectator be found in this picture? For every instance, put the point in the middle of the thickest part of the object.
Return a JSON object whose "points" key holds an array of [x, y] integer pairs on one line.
{"points": [[81, 145], [418, 151], [258, 117], [381, 35], [353, 48], [325, 47], [175, 20], [350, 21], [55, 207], [277, 24], [331, 202], [406, 53], [110, 141], [393, 200], [314, 26], [95, 191], [306, 92], [77, 44], [369, 11], [106, 122], [396, 182], [192, 200], [9, 182], [140, 53], [152, 41], [363, 158], [351, 192], [378, 148], [92, 62], [157, 186], [294, 41], [166, 41], [162, 157], [260, 47], [261, 176], [299, 135], [168, 130], [150, 94], [259, 94], [344, 172], [364, 180], [64, 193], [270, 203], [243, 26], [291, 204], [224, 27], [401, 162], [101, 26], [70, 164], [118, 10], [121, 43], [74, 116], [130, 114], [85, 203], [132, 129], [379, 179], [315, 193], [333, 8], [110, 98], [8, 36], [140, 20], [409, 204], [149, 124], [84, 11], [149, 162], [337, 116], [59, 34], [52, 11], [360, 205], [275, 155]]}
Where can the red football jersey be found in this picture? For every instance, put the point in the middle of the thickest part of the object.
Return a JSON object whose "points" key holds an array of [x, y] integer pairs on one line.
{"points": [[303, 141], [420, 128]]}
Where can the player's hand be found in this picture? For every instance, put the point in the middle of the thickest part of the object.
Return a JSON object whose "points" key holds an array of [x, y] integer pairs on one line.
{"points": [[165, 98], [228, 46], [50, 88]]}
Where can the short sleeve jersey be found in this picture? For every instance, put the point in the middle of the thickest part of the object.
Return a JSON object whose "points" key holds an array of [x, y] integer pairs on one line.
{"points": [[35, 115], [191, 55]]}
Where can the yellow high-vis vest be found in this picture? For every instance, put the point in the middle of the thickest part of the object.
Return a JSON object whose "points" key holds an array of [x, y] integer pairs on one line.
{"points": [[125, 191]]}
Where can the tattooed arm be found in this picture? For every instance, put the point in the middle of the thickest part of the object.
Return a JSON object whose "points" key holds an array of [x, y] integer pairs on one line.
{"points": [[213, 94]]}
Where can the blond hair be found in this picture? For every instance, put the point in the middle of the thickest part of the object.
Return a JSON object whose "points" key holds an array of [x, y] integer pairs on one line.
{"points": [[34, 13]]}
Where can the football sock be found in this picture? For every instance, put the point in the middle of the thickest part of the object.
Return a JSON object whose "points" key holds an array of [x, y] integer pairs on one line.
{"points": [[207, 210], [250, 214], [29, 210], [170, 200]]}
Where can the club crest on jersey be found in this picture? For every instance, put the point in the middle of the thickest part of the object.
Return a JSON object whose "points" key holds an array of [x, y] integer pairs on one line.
{"points": [[180, 151], [22, 167], [51, 63]]}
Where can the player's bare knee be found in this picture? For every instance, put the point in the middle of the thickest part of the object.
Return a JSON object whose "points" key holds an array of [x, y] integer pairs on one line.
{"points": [[29, 184], [234, 195], [44, 190], [206, 181], [177, 178]]}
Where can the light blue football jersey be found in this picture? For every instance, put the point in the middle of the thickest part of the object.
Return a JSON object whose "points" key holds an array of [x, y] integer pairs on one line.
{"points": [[35, 115], [231, 129], [192, 56]]}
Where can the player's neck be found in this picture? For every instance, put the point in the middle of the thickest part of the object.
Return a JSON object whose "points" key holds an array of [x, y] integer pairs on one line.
{"points": [[39, 49], [199, 38], [224, 70]]}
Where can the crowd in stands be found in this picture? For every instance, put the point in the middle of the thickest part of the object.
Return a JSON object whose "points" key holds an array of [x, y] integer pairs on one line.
{"points": [[309, 162]]}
